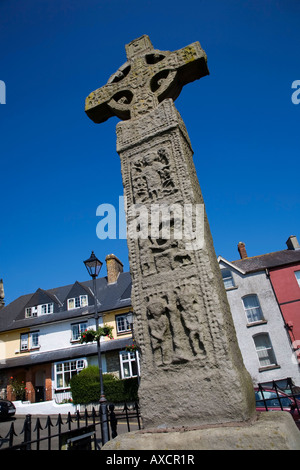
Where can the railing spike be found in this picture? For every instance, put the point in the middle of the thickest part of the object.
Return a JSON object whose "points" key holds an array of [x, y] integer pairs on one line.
{"points": [[38, 425], [59, 420]]}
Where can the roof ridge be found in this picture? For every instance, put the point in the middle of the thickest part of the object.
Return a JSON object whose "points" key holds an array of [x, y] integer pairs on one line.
{"points": [[259, 256]]}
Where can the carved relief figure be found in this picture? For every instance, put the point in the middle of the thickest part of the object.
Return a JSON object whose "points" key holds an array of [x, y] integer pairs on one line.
{"points": [[151, 177], [189, 308], [159, 329], [174, 328]]}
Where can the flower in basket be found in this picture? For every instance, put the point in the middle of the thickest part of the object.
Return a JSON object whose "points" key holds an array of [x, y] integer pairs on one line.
{"points": [[88, 336], [131, 347], [107, 331]]}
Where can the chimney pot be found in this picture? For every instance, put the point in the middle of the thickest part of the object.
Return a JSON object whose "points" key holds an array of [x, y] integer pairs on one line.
{"points": [[2, 303], [242, 250], [114, 267], [292, 243]]}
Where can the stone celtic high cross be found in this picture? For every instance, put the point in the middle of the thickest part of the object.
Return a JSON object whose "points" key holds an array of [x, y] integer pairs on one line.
{"points": [[192, 372], [148, 77]]}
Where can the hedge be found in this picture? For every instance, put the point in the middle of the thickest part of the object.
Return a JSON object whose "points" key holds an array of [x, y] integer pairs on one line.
{"points": [[85, 387]]}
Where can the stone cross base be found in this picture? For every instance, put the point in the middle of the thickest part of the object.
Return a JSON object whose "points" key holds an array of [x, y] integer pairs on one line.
{"points": [[271, 431], [192, 370]]}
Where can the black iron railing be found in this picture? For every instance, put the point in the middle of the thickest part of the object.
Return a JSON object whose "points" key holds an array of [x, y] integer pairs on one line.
{"points": [[272, 396], [79, 431]]}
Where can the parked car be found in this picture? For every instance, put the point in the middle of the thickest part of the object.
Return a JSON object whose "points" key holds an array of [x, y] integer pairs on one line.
{"points": [[267, 400], [7, 409]]}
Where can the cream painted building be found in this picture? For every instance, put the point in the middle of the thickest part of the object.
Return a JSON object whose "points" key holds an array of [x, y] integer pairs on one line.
{"points": [[40, 335]]}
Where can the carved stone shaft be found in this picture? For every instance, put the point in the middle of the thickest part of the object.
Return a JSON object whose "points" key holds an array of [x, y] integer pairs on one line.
{"points": [[192, 371], [191, 367]]}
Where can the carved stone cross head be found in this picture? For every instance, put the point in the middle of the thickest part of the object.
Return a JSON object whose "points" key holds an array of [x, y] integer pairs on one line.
{"points": [[148, 77]]}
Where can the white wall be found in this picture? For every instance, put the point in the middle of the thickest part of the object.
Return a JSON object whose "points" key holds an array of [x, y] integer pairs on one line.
{"points": [[259, 284]]}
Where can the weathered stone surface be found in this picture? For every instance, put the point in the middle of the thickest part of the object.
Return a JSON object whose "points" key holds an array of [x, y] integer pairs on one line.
{"points": [[272, 431], [191, 362], [191, 367], [148, 77]]}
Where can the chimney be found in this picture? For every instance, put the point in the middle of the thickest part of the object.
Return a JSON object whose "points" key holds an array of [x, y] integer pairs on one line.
{"points": [[2, 303], [292, 243], [242, 250], [114, 267]]}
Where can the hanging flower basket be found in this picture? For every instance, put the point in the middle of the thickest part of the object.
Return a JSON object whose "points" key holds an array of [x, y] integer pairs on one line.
{"points": [[88, 336], [131, 347]]}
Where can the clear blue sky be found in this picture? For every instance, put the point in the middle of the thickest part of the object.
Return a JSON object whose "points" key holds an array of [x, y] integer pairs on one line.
{"points": [[57, 166]]}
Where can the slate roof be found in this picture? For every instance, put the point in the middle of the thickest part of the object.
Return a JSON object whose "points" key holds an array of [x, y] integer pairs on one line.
{"points": [[268, 261], [61, 354], [110, 297]]}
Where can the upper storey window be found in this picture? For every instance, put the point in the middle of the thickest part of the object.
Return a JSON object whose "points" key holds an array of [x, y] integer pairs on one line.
{"points": [[227, 278], [78, 302], [123, 324], [46, 308], [38, 310], [31, 312], [252, 309]]}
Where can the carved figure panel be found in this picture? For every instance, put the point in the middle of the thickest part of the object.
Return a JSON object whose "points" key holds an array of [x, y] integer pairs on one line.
{"points": [[152, 177], [174, 326]]}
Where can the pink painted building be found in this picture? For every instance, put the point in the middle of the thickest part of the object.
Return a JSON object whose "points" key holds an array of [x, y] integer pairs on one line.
{"points": [[285, 279]]}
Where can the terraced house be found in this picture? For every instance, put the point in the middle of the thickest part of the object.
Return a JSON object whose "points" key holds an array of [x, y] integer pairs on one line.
{"points": [[264, 296], [40, 335]]}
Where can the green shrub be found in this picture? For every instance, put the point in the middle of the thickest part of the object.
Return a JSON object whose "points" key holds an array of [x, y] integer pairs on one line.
{"points": [[85, 387]]}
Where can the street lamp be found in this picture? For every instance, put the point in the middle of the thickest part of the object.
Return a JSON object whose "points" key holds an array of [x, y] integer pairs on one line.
{"points": [[93, 266]]}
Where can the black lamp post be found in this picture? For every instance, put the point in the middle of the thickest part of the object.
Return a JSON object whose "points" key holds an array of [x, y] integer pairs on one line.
{"points": [[93, 266]]}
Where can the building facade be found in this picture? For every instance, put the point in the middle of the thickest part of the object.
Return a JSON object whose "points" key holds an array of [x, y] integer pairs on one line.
{"points": [[261, 330], [40, 333], [285, 279], [40, 336]]}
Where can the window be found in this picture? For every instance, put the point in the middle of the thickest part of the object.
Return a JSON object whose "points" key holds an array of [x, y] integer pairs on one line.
{"points": [[46, 308], [264, 350], [64, 371], [252, 309], [35, 340], [297, 274], [30, 312], [38, 310], [77, 329], [29, 341], [122, 324], [77, 302], [24, 341], [227, 278], [129, 364]]}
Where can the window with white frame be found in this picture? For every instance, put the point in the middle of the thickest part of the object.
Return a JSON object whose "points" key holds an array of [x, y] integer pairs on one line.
{"points": [[47, 308], [64, 371], [34, 336], [129, 364], [24, 342], [29, 341], [123, 324], [297, 274], [252, 308], [227, 278], [77, 329], [264, 350], [38, 310], [78, 302], [31, 312]]}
